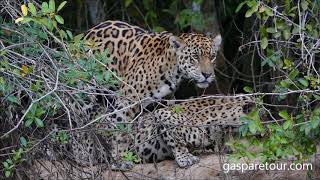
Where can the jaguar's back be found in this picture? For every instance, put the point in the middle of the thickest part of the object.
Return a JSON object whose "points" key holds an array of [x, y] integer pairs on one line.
{"points": [[126, 44]]}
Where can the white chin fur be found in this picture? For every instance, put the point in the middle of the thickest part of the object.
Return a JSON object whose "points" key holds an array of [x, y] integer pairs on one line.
{"points": [[202, 85]]}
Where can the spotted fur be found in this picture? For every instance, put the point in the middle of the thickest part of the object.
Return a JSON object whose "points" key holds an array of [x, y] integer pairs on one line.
{"points": [[197, 124]]}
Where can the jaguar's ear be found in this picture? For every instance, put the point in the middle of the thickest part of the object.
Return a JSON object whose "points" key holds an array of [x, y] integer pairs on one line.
{"points": [[176, 42], [216, 43]]}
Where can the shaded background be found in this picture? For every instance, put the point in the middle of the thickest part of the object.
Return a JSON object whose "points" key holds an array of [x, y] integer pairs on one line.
{"points": [[177, 16]]}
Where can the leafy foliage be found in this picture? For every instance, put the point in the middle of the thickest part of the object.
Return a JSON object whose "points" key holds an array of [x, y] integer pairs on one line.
{"points": [[177, 109], [285, 46], [40, 79], [129, 156]]}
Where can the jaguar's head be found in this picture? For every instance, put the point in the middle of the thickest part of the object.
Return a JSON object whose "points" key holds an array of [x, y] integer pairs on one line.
{"points": [[196, 55]]}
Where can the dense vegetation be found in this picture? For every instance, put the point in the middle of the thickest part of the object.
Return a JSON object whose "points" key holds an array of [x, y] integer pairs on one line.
{"points": [[271, 50]]}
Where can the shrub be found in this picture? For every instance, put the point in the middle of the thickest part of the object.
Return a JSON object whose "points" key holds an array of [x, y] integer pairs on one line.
{"points": [[285, 39], [45, 74]]}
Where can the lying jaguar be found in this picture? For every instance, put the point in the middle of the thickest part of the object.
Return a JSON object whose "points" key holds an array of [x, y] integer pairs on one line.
{"points": [[171, 132], [190, 125], [151, 65]]}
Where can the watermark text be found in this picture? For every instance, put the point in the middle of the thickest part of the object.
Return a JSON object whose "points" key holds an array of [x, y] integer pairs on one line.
{"points": [[227, 167]]}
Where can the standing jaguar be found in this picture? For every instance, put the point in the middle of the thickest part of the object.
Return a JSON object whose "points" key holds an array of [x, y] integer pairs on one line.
{"points": [[151, 65]]}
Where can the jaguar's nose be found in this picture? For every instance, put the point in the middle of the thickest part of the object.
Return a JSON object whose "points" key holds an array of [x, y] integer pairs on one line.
{"points": [[206, 75]]}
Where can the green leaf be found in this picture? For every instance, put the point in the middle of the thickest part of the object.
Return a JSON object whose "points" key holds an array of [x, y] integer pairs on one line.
{"points": [[279, 152], [121, 126], [49, 24], [70, 34], [285, 83], [52, 6], [304, 5], [243, 130], [309, 27], [136, 160], [296, 30], [252, 128], [130, 154], [28, 122], [286, 34], [63, 34], [55, 25], [269, 12], [304, 82], [240, 6], [317, 97], [13, 99], [32, 9], [61, 5], [39, 112], [252, 3], [249, 13], [39, 122], [256, 7], [9, 161], [276, 34], [315, 121], [177, 109], [288, 63], [284, 115], [99, 78], [271, 30], [7, 173], [248, 89], [307, 129], [107, 76], [23, 141], [78, 37], [293, 74], [281, 25], [30, 70], [287, 124], [44, 8], [5, 164], [24, 20], [264, 43], [59, 19], [127, 3]]}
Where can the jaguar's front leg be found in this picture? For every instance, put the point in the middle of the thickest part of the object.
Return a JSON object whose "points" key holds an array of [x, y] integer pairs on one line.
{"points": [[172, 136]]}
